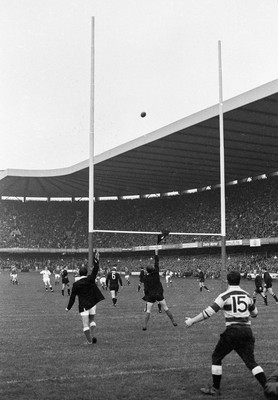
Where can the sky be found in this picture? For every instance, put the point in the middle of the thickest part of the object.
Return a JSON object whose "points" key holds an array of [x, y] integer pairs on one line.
{"points": [[157, 56]]}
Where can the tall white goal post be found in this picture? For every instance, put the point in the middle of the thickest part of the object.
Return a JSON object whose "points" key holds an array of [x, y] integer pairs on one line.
{"points": [[91, 170]]}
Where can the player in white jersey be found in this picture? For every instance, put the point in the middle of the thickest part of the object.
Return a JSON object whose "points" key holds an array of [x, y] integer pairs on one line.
{"points": [[168, 277], [13, 276], [46, 279], [238, 306], [57, 273], [127, 275]]}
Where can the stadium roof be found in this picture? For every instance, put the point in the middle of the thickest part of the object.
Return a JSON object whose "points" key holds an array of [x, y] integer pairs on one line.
{"points": [[181, 156]]}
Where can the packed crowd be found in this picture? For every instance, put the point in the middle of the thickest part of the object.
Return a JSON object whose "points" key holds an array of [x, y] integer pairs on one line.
{"points": [[251, 212], [181, 265]]}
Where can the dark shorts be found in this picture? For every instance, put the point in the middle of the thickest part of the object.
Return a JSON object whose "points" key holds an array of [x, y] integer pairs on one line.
{"points": [[153, 297], [114, 287], [65, 280], [268, 285], [259, 289], [237, 338]]}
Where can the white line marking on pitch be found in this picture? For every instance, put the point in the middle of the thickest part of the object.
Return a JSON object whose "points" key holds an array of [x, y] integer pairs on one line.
{"points": [[104, 375]]}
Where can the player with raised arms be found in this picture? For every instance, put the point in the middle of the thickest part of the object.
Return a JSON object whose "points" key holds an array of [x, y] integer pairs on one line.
{"points": [[88, 295], [153, 288]]}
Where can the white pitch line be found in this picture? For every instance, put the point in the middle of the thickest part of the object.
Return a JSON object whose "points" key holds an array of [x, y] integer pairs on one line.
{"points": [[107, 375]]}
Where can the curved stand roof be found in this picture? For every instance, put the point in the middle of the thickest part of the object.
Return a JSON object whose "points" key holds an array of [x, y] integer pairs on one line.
{"points": [[178, 157]]}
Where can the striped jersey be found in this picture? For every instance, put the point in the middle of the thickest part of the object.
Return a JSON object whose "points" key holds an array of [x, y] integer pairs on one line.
{"points": [[236, 304]]}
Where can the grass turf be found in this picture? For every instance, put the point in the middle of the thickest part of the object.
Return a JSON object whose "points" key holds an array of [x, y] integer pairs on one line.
{"points": [[43, 355]]}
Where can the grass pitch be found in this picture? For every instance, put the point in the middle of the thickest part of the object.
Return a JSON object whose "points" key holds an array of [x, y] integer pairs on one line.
{"points": [[43, 355]]}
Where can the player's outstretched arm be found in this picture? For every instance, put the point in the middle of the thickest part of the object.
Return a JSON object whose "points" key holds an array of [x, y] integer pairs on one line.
{"points": [[207, 313], [191, 321]]}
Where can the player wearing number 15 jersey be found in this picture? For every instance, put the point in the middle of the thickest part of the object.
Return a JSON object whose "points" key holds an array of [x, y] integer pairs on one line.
{"points": [[238, 307], [113, 282]]}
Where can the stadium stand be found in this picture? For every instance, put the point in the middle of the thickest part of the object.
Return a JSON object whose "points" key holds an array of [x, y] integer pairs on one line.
{"points": [[251, 212]]}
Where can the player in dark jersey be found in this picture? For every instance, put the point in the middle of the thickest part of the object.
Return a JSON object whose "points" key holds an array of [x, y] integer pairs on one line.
{"points": [[259, 289], [201, 279], [113, 282], [238, 306], [65, 281], [88, 295], [154, 292], [268, 285]]}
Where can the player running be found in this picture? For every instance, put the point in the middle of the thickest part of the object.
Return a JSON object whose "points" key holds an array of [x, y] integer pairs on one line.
{"points": [[127, 275], [57, 276], [201, 279], [65, 281], [168, 277], [102, 279], [268, 285], [46, 279], [113, 282], [13, 276], [259, 289]]}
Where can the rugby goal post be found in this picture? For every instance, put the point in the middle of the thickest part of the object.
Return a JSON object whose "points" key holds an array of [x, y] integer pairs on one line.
{"points": [[91, 169]]}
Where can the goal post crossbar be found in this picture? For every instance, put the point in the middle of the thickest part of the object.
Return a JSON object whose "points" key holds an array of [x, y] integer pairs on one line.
{"points": [[157, 233]]}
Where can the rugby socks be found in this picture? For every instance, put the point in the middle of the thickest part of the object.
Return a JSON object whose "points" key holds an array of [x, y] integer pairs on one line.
{"points": [[114, 301], [63, 292], [87, 333], [147, 317], [170, 315], [69, 292], [275, 297], [92, 329], [259, 374], [159, 307], [216, 371]]}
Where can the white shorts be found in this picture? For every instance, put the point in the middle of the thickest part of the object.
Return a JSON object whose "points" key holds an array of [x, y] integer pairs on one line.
{"points": [[127, 277], [91, 311], [102, 281]]}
